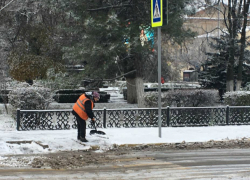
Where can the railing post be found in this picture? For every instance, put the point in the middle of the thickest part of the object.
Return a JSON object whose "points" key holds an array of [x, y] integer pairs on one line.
{"points": [[227, 115], [18, 119], [104, 117], [168, 115]]}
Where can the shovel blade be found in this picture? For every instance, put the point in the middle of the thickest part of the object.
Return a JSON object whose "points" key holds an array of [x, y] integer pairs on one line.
{"points": [[97, 132]]}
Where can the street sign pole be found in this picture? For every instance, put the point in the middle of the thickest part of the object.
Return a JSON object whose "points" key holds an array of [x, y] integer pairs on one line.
{"points": [[159, 79], [157, 21]]}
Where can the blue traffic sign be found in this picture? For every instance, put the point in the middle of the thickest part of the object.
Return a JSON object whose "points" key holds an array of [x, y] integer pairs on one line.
{"points": [[156, 13]]}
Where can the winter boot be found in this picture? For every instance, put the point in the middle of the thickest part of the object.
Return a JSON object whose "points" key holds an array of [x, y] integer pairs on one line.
{"points": [[83, 139]]}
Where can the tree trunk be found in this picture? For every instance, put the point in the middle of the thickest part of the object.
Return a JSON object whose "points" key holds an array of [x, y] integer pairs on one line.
{"points": [[140, 92], [131, 90], [135, 91], [238, 85], [230, 70], [232, 20], [230, 85], [242, 45]]}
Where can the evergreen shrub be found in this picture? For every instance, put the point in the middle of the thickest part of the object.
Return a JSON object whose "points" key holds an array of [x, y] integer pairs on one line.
{"points": [[237, 98], [183, 98]]}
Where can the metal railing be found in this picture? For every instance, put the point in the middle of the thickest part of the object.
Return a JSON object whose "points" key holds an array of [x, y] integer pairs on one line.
{"points": [[136, 117]]}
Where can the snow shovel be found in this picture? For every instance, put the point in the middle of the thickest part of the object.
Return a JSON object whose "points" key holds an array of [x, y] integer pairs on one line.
{"points": [[95, 131]]}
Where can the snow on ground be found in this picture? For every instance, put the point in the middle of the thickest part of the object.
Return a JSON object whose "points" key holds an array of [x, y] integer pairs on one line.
{"points": [[13, 142], [46, 141]]}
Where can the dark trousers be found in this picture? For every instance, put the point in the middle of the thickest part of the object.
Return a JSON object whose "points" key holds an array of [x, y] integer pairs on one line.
{"points": [[81, 127]]}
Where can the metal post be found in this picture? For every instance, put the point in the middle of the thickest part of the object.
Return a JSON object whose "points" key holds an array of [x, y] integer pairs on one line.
{"points": [[159, 79], [227, 115], [168, 116], [18, 119], [104, 117]]}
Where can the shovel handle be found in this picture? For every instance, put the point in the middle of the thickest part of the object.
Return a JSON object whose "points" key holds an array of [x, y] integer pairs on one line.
{"points": [[94, 124]]}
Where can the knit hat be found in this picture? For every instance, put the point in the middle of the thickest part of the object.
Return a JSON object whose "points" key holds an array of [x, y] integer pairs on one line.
{"points": [[96, 94]]}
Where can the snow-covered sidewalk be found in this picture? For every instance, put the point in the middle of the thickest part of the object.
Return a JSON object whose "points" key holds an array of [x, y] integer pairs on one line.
{"points": [[46, 141]]}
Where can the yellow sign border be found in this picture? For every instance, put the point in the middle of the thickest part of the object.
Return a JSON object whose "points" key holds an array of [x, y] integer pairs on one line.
{"points": [[157, 24]]}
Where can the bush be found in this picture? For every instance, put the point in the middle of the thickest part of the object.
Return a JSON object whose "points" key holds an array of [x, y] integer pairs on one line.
{"points": [[183, 98], [237, 98], [28, 97]]}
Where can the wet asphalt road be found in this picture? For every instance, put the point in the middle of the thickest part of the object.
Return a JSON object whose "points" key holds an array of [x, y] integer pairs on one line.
{"points": [[164, 164]]}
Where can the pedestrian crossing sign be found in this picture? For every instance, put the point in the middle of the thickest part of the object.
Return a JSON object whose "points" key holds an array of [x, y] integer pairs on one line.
{"points": [[156, 13]]}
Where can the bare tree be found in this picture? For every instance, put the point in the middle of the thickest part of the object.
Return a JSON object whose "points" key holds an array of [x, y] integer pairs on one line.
{"points": [[242, 43], [234, 14]]}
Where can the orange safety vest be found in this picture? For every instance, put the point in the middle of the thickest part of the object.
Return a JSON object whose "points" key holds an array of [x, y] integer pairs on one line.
{"points": [[79, 106]]}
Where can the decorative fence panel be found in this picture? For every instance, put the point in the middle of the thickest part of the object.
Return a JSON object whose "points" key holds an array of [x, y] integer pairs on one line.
{"points": [[239, 115], [206, 116], [138, 117], [45, 120]]}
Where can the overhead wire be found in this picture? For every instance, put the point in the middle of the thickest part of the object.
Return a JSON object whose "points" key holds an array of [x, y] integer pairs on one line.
{"points": [[121, 71], [6, 5]]}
